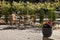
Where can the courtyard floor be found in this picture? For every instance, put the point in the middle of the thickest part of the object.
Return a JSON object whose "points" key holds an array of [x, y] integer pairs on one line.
{"points": [[27, 34]]}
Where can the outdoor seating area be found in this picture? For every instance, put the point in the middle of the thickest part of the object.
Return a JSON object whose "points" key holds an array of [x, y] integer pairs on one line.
{"points": [[25, 19], [21, 20]]}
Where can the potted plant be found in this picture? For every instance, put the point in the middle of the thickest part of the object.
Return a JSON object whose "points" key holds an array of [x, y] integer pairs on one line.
{"points": [[47, 29]]}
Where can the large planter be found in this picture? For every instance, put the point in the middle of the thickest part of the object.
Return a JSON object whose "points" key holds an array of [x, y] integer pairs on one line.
{"points": [[46, 31]]}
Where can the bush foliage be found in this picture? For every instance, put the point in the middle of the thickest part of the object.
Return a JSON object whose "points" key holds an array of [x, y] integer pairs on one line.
{"points": [[29, 8]]}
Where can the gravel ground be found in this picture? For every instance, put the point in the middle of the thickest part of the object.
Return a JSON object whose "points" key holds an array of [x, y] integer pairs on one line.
{"points": [[27, 34], [19, 35]]}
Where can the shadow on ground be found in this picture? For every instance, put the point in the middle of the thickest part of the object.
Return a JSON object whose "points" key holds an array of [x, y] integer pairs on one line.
{"points": [[46, 38], [7, 28]]}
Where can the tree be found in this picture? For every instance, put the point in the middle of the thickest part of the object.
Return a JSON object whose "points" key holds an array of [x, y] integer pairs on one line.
{"points": [[51, 14], [5, 7], [41, 15]]}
